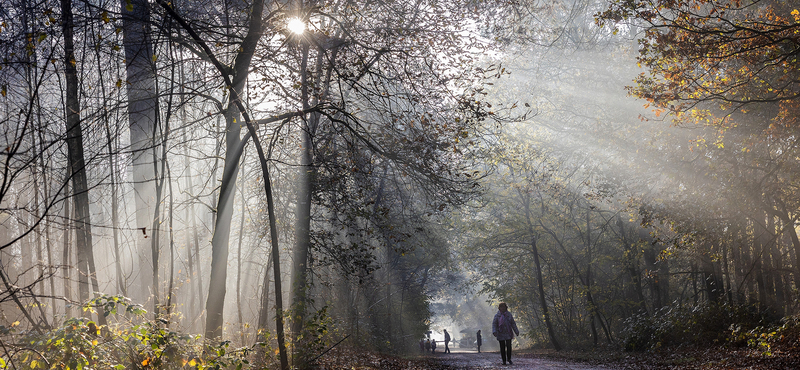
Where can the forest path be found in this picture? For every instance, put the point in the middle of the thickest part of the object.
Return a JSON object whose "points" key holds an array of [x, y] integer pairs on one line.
{"points": [[470, 359]]}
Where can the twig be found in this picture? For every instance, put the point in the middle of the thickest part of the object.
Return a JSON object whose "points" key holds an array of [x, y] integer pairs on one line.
{"points": [[330, 348]]}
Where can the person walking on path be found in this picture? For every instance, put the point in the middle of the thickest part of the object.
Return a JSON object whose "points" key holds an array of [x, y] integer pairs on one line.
{"points": [[480, 341], [446, 341], [504, 328], [433, 345]]}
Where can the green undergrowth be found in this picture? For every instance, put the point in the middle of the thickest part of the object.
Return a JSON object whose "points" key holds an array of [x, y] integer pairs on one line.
{"points": [[720, 337], [81, 343], [703, 325]]}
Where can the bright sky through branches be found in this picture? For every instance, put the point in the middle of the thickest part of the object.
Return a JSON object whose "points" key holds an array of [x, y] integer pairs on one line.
{"points": [[296, 25]]}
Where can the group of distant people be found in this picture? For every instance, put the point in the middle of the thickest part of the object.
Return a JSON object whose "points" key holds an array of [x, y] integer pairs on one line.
{"points": [[429, 345], [503, 328]]}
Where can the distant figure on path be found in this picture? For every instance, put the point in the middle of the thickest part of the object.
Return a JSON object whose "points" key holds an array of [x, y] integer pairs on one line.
{"points": [[433, 345], [480, 341], [422, 345], [446, 341], [428, 345], [504, 328]]}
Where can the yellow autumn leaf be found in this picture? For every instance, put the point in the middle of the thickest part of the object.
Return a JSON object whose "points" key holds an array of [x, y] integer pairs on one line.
{"points": [[34, 364], [192, 363], [146, 361]]}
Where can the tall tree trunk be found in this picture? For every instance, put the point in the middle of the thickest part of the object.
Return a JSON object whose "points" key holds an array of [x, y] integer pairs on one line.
{"points": [[726, 273], [142, 116], [589, 279], [47, 239], [306, 181], [784, 215], [242, 62], [276, 266], [121, 286], [539, 278], [171, 218], [711, 279], [66, 256], [632, 266], [80, 188], [192, 246], [222, 229], [192, 238], [769, 273], [263, 316], [759, 246], [302, 214], [239, 317]]}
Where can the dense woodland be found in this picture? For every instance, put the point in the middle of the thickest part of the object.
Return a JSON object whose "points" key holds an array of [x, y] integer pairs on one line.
{"points": [[220, 183]]}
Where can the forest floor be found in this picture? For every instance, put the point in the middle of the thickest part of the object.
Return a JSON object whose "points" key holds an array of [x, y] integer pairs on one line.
{"points": [[784, 356], [674, 358], [468, 360], [457, 360]]}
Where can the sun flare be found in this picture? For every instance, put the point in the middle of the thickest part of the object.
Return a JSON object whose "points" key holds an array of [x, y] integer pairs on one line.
{"points": [[296, 26]]}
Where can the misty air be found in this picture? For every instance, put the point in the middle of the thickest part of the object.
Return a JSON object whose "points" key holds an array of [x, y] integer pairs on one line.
{"points": [[426, 184]]}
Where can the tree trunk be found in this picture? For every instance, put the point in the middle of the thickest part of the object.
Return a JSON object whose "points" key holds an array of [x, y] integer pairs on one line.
{"points": [[239, 317], [632, 267], [539, 279], [711, 280], [171, 218], [589, 280], [66, 256], [192, 244], [240, 70], [726, 274], [142, 116], [306, 183], [121, 286], [303, 215], [80, 188], [263, 316], [222, 229]]}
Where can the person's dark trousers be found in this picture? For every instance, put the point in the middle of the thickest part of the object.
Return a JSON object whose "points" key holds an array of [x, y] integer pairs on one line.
{"points": [[505, 350], [446, 348]]}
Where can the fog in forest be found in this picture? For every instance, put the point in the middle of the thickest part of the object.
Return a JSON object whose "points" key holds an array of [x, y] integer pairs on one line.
{"points": [[200, 177]]}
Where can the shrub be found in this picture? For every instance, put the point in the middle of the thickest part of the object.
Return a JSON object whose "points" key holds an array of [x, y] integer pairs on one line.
{"points": [[79, 343], [705, 324]]}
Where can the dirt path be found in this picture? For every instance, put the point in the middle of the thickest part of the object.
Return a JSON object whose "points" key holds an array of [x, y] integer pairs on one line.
{"points": [[468, 360]]}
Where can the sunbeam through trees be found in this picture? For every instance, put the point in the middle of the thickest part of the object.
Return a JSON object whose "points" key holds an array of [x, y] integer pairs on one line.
{"points": [[269, 184]]}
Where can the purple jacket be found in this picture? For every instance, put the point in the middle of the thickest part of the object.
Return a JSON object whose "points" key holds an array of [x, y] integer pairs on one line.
{"points": [[503, 326]]}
